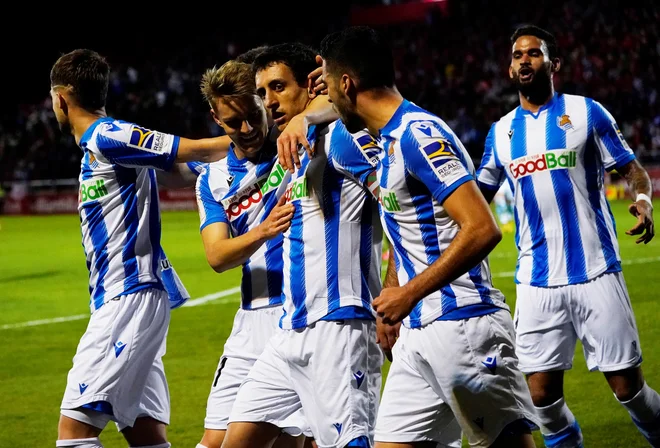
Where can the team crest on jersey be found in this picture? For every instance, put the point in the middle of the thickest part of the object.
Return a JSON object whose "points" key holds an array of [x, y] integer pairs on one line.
{"points": [[390, 153], [93, 163], [564, 122], [369, 147], [147, 140]]}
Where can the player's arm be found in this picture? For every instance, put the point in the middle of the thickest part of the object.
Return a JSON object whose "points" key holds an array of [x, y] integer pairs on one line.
{"points": [[205, 150], [136, 147], [391, 277], [477, 237], [182, 175], [386, 334], [641, 189], [616, 154], [318, 111], [490, 174], [223, 252], [433, 157]]}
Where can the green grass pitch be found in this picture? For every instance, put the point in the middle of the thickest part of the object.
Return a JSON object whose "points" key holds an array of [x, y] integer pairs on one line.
{"points": [[43, 277]]}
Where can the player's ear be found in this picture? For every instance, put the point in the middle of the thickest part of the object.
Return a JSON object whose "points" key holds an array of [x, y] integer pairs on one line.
{"points": [[510, 72], [556, 65], [348, 86], [62, 103], [215, 117]]}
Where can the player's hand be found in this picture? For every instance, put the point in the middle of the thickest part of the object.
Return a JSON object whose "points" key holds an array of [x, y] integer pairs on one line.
{"points": [[292, 136], [394, 304], [315, 83], [643, 211], [278, 220], [386, 336]]}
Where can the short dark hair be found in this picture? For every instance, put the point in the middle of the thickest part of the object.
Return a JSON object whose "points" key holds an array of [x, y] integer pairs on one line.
{"points": [[361, 52], [545, 36], [300, 58], [87, 73], [249, 56]]}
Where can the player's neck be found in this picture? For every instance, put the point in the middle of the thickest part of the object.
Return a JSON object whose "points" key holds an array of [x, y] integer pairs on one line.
{"points": [[81, 120], [533, 103], [376, 107]]}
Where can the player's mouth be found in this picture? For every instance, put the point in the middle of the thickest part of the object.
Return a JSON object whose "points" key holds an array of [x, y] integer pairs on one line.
{"points": [[251, 139], [525, 74], [279, 118]]}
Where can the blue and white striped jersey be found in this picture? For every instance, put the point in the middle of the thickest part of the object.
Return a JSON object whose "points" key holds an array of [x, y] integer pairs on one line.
{"points": [[118, 206], [422, 163], [332, 251], [554, 161], [241, 194]]}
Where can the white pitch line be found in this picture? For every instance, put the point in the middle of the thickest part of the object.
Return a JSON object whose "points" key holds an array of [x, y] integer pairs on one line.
{"points": [[231, 291], [195, 302]]}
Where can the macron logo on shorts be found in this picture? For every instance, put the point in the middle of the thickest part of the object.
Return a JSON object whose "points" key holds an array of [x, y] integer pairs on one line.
{"points": [[359, 377], [83, 387], [119, 347], [338, 427], [491, 363]]}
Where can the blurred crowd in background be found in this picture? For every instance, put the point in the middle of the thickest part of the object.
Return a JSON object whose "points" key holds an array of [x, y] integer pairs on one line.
{"points": [[453, 64]]}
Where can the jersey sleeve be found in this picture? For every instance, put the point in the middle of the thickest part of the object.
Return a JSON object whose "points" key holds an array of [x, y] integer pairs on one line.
{"points": [[133, 146], [490, 174], [432, 156], [613, 148], [355, 155], [196, 168], [210, 209]]}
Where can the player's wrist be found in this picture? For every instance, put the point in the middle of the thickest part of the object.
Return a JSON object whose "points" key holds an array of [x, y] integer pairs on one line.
{"points": [[643, 197]]}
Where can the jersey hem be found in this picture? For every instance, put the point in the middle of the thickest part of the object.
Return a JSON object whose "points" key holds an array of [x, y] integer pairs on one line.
{"points": [[433, 316], [563, 281], [146, 281], [314, 317]]}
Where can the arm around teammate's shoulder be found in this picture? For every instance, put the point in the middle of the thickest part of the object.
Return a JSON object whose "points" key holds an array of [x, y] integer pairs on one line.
{"points": [[205, 150]]}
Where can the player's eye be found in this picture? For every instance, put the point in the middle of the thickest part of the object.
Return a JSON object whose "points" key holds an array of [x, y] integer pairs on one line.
{"points": [[234, 124], [279, 87]]}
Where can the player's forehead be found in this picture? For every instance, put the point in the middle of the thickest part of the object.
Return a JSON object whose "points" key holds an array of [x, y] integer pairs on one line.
{"points": [[526, 43], [274, 72], [239, 107]]}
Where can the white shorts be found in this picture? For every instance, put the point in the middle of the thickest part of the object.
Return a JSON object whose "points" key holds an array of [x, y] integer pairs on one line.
{"points": [[549, 321], [453, 375], [330, 370], [119, 359], [251, 332]]}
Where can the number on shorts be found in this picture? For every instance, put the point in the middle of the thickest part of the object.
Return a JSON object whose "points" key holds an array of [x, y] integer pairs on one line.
{"points": [[217, 375]]}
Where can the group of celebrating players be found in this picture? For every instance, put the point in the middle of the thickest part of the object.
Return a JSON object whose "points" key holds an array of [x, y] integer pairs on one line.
{"points": [[322, 160]]}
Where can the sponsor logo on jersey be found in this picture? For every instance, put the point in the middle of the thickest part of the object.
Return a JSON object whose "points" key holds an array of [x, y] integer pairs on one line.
{"points": [[249, 197], [369, 147], [619, 134], [551, 160], [274, 179], [297, 190], [243, 201], [389, 201], [438, 152], [147, 140], [92, 190]]}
